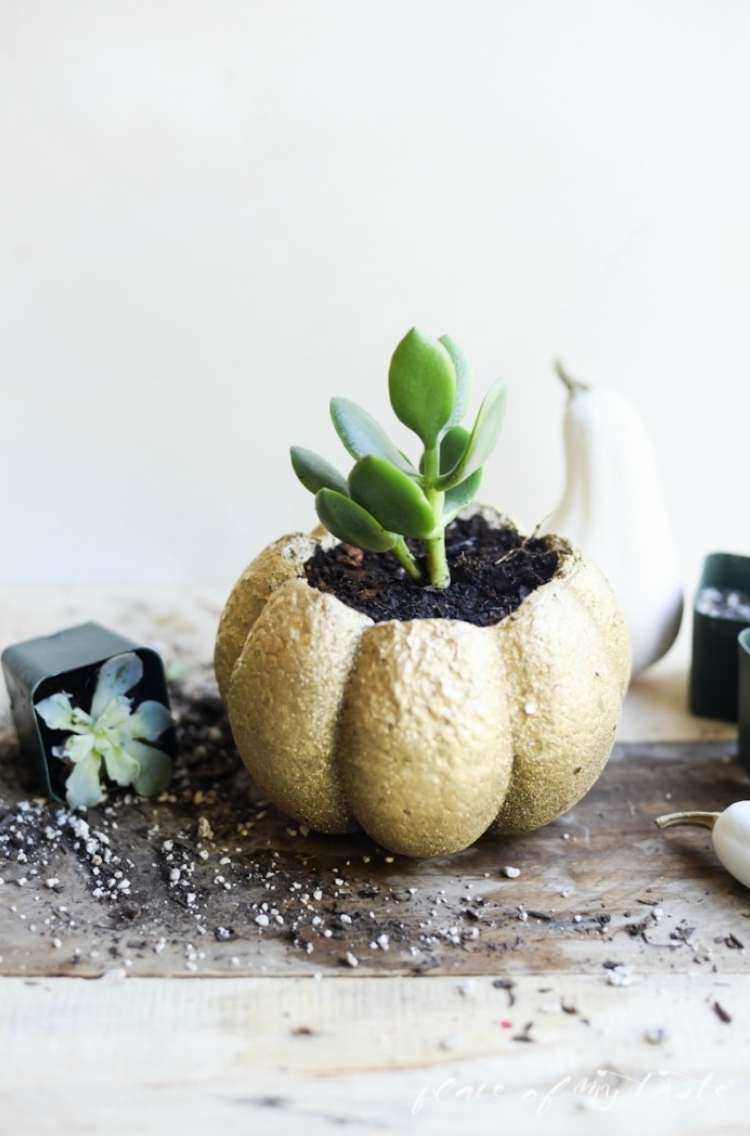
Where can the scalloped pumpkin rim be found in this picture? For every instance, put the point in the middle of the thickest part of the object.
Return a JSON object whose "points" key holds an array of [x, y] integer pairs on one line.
{"points": [[493, 571]]}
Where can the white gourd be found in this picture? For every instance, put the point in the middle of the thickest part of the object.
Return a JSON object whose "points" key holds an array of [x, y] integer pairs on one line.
{"points": [[730, 833], [613, 507]]}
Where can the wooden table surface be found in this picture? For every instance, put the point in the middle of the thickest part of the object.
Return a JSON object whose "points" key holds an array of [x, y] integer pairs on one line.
{"points": [[607, 982]]}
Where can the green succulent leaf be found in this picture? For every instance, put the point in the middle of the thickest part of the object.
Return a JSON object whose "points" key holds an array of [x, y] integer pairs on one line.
{"points": [[121, 766], [392, 497], [463, 378], [362, 435], [148, 722], [116, 677], [482, 440], [315, 472], [83, 787], [154, 769], [452, 445], [351, 523], [58, 713], [460, 495], [422, 385]]}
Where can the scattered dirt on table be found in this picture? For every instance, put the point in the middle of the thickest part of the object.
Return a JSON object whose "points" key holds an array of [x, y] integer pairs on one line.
{"points": [[210, 878], [209, 870]]}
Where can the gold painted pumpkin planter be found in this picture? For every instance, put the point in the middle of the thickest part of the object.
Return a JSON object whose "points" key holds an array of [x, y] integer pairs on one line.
{"points": [[429, 732]]}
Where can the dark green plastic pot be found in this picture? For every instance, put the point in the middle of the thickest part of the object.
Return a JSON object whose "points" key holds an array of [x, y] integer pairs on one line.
{"points": [[743, 650], [714, 671], [69, 659]]}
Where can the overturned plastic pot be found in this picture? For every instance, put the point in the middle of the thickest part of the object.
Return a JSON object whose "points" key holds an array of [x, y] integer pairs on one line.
{"points": [[426, 732], [39, 670]]}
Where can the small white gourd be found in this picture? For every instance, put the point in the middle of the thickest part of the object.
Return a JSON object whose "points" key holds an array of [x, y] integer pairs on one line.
{"points": [[613, 507], [730, 834]]}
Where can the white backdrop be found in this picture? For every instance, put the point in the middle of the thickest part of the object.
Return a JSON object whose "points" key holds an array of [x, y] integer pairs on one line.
{"points": [[215, 215]]}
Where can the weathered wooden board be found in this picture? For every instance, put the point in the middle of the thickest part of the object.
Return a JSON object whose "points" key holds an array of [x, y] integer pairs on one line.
{"points": [[434, 1056], [209, 881], [547, 1037]]}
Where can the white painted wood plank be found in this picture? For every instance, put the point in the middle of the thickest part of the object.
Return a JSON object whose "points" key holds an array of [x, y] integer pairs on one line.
{"points": [[384, 1055]]}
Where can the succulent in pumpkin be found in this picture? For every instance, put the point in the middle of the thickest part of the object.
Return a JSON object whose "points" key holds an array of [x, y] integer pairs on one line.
{"points": [[424, 732]]}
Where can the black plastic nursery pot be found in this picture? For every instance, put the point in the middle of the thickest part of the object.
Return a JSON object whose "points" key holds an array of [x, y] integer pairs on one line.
{"points": [[743, 651], [714, 671], [69, 661]]}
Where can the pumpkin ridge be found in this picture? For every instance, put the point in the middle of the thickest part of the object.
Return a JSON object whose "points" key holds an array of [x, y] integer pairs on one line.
{"points": [[284, 699], [564, 723], [415, 786], [280, 561]]}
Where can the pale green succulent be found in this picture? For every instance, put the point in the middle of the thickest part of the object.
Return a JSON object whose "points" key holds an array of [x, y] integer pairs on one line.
{"points": [[111, 738]]}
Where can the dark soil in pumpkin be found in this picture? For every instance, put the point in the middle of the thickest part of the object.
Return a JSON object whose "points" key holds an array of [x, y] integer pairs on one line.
{"points": [[492, 572]]}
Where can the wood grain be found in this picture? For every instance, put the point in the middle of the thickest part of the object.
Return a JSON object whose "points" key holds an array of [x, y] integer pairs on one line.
{"points": [[393, 1055], [380, 1050]]}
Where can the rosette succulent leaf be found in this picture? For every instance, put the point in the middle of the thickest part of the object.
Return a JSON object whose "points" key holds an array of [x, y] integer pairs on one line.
{"points": [[386, 498], [112, 737]]}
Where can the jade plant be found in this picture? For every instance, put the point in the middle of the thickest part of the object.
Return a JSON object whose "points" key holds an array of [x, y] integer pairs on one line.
{"points": [[386, 498]]}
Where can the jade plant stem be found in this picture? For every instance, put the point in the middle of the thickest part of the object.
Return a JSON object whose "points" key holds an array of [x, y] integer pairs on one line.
{"points": [[437, 563], [406, 560]]}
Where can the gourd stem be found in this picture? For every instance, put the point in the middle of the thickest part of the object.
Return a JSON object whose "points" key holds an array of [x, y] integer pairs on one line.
{"points": [[573, 386], [703, 820], [437, 563], [406, 560]]}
